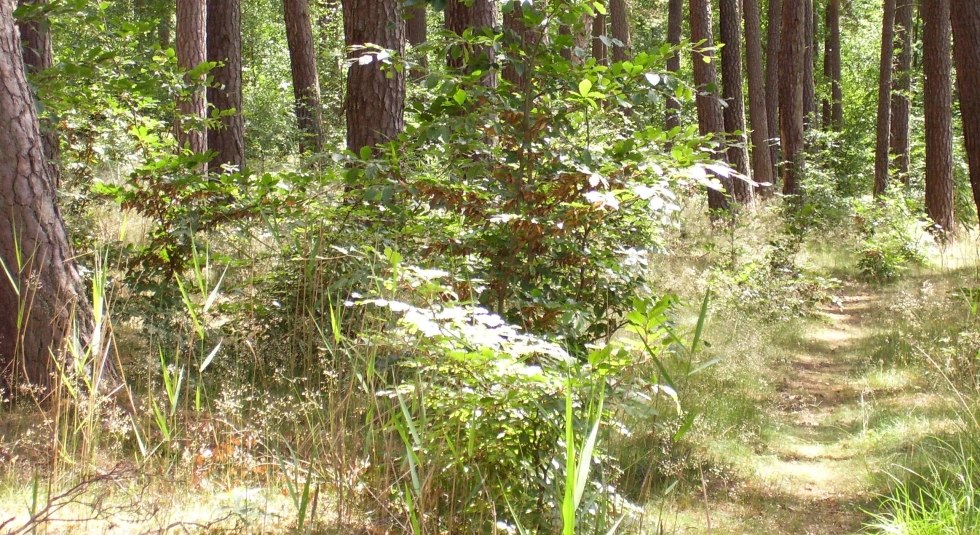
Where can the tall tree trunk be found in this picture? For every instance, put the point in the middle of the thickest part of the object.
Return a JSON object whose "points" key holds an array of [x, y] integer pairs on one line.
{"points": [[46, 286], [675, 22], [966, 51], [792, 55], [937, 91], [306, 83], [479, 17], [832, 60], [884, 97], [809, 85], [600, 52], [225, 47], [375, 96], [901, 89], [35, 39], [758, 114], [417, 34], [191, 52], [711, 121], [517, 35], [773, 34], [734, 113], [620, 26]]}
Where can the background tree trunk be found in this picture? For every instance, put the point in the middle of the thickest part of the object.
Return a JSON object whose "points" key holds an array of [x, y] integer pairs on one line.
{"points": [[620, 26], [758, 114], [600, 52], [375, 95], [675, 21], [225, 46], [480, 16], [773, 34], [306, 84], [517, 34], [711, 121], [48, 282], [833, 60], [734, 113], [35, 40], [809, 84], [191, 52], [791, 58], [937, 65], [884, 97], [417, 34], [966, 51], [901, 89]]}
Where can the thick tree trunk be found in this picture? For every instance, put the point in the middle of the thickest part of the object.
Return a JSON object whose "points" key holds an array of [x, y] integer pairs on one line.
{"points": [[191, 52], [35, 39], [47, 292], [833, 65], [225, 47], [600, 52], [937, 91], [306, 84], [375, 96], [734, 113], [809, 84], [966, 51], [416, 25], [620, 26], [675, 22], [792, 55], [901, 89], [711, 121], [758, 114], [773, 34], [480, 16], [884, 97]]}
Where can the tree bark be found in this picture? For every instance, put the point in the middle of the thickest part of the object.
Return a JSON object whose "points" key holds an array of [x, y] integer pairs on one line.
{"points": [[47, 288], [35, 40], [600, 52], [711, 121], [734, 113], [416, 25], [792, 55], [938, 97], [966, 51], [224, 37], [191, 52], [306, 84], [832, 62], [758, 113], [901, 89], [620, 26], [809, 85], [375, 95], [884, 97], [773, 34], [675, 22], [516, 36], [478, 17]]}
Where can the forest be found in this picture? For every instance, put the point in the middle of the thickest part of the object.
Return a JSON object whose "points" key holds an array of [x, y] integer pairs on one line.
{"points": [[490, 266]]}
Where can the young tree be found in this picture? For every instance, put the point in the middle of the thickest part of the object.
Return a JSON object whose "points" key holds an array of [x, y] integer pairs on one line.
{"points": [[884, 97], [600, 52], [375, 95], [734, 112], [773, 33], [901, 89], [35, 39], [711, 121], [758, 114], [791, 58], [191, 52], [302, 62], [224, 38], [675, 21], [966, 51], [45, 283], [620, 26], [834, 118], [478, 16], [937, 91]]}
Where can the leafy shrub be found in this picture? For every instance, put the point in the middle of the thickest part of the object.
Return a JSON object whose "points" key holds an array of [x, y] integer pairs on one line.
{"points": [[892, 236]]}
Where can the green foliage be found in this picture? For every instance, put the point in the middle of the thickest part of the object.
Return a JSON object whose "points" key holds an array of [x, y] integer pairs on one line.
{"points": [[892, 236]]}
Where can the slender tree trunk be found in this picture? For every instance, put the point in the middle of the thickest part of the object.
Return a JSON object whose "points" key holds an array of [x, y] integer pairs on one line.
{"points": [[35, 39], [46, 291], [884, 97], [711, 121], [809, 84], [901, 89], [966, 50], [375, 95], [306, 83], [191, 52], [675, 21], [734, 113], [600, 52], [833, 60], [620, 26], [225, 47], [792, 55], [773, 34], [758, 114], [517, 36], [417, 33], [480, 17], [938, 97]]}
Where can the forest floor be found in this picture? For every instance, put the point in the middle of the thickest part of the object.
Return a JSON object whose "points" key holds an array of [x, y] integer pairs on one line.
{"points": [[839, 421]]}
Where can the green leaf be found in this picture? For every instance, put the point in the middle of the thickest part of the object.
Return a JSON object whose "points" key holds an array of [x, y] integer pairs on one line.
{"points": [[459, 96], [585, 87]]}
